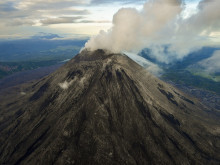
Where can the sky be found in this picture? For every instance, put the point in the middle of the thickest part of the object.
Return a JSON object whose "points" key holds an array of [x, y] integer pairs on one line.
{"points": [[68, 18], [23, 18]]}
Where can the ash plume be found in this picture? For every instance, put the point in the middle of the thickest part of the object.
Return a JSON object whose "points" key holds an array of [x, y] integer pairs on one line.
{"points": [[160, 27]]}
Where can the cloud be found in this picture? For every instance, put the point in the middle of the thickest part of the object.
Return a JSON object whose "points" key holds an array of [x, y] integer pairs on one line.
{"points": [[151, 67], [60, 20], [27, 17], [49, 4], [131, 28], [19, 22], [63, 11], [211, 64], [95, 21], [7, 7], [205, 20], [31, 12], [66, 20], [8, 10], [160, 27], [100, 2]]}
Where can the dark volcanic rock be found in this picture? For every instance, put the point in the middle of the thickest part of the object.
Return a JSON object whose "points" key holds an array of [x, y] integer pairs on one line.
{"points": [[103, 108]]}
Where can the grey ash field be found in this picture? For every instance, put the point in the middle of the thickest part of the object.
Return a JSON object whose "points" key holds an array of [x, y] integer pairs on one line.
{"points": [[103, 108]]}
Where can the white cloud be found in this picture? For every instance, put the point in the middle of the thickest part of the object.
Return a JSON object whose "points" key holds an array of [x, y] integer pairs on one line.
{"points": [[12, 12], [60, 20], [42, 4], [212, 64], [131, 28], [160, 26], [24, 17], [151, 67]]}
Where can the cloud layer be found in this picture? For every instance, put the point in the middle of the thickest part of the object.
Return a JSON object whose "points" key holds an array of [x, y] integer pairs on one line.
{"points": [[40, 12], [212, 64], [60, 20], [151, 67], [160, 27]]}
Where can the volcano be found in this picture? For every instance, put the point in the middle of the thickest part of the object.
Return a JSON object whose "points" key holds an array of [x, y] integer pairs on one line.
{"points": [[103, 108]]}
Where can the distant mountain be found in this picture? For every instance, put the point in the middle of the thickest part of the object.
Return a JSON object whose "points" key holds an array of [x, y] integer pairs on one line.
{"points": [[103, 108], [43, 35]]}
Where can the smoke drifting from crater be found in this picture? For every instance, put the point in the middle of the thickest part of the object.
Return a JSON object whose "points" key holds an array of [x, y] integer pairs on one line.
{"points": [[160, 27], [132, 28]]}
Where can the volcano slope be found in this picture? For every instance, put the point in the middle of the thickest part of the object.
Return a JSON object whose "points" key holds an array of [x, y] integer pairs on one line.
{"points": [[103, 108]]}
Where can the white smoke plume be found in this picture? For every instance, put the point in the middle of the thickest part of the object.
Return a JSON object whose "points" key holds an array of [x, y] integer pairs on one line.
{"points": [[132, 28], [160, 27]]}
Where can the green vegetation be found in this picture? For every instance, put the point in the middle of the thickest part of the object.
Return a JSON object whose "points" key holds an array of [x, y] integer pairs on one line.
{"points": [[7, 68], [185, 73], [27, 54], [206, 75], [30, 49], [184, 77]]}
